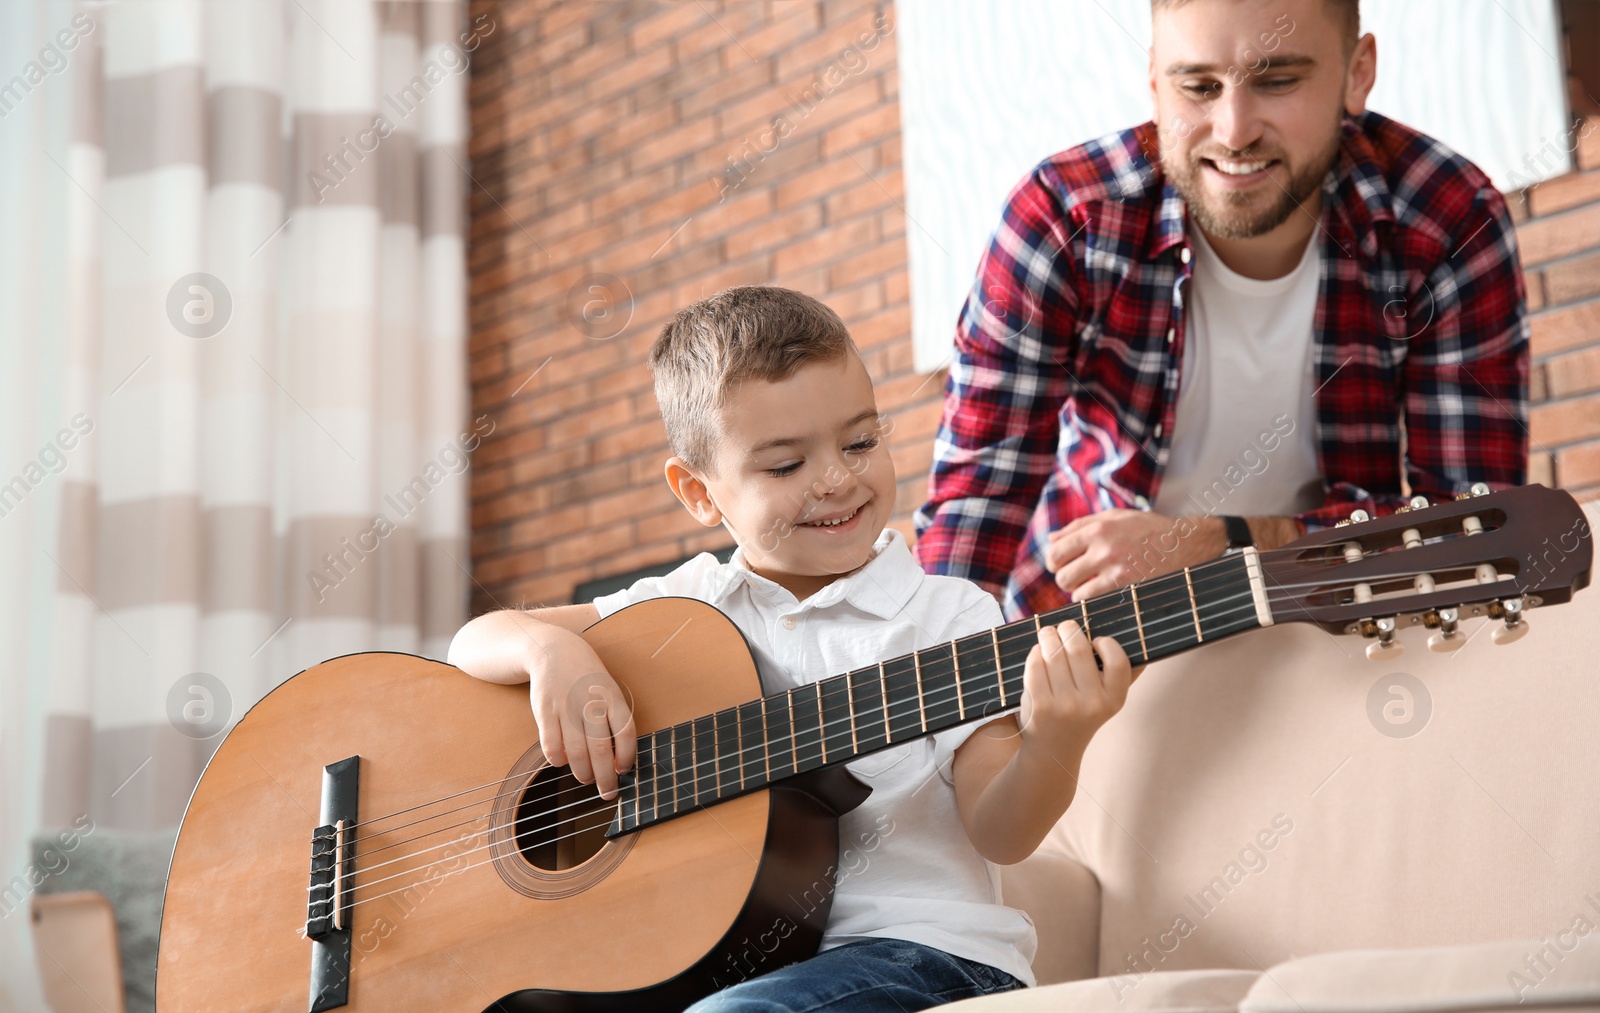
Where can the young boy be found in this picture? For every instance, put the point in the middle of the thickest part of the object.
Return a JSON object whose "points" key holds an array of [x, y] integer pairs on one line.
{"points": [[776, 436]]}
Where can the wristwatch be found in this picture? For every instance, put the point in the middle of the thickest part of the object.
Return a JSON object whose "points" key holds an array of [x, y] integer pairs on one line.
{"points": [[1238, 532]]}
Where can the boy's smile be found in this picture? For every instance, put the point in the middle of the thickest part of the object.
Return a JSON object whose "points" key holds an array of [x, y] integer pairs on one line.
{"points": [[801, 475]]}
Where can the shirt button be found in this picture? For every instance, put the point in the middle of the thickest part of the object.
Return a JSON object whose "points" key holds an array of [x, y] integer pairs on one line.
{"points": [[1172, 332], [788, 622], [1183, 254], [1159, 430]]}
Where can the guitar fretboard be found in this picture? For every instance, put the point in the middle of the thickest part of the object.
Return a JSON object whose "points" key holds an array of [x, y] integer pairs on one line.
{"points": [[757, 744]]}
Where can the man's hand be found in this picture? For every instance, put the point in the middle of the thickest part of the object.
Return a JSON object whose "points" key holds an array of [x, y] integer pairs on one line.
{"points": [[1104, 551]]}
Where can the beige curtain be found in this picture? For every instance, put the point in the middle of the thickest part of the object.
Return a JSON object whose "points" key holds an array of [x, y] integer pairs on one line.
{"points": [[236, 429]]}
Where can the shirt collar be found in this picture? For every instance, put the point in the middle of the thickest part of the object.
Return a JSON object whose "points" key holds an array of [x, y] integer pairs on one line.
{"points": [[1355, 190], [881, 587]]}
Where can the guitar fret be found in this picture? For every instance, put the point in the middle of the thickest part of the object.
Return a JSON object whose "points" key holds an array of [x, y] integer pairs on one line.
{"points": [[1133, 589], [902, 699], [798, 733], [837, 722], [822, 727], [1194, 609], [705, 759], [922, 707], [961, 697], [883, 687], [806, 718], [851, 700], [866, 691], [655, 777], [999, 667], [940, 688], [726, 730]]}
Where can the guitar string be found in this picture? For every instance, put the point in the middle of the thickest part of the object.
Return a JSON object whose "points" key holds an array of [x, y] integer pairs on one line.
{"points": [[1152, 631], [612, 811], [1202, 569], [1177, 594], [574, 833], [945, 699]]}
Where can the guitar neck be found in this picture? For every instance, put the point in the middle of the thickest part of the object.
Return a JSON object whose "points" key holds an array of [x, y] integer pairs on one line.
{"points": [[755, 745]]}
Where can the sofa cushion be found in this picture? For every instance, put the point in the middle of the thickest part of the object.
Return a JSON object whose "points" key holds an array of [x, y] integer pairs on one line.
{"points": [[1156, 992], [1277, 794], [1559, 970]]}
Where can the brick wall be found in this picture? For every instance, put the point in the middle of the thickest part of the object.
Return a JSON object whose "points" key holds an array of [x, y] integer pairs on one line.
{"points": [[626, 162], [1558, 233]]}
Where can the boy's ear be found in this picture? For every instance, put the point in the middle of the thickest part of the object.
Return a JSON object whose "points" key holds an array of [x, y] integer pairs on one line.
{"points": [[692, 492]]}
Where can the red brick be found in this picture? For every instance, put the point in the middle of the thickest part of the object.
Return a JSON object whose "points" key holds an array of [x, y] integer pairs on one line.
{"points": [[870, 263], [871, 126], [673, 19], [824, 245], [1533, 282], [870, 195], [1578, 466], [1564, 192], [1570, 280], [1550, 425], [1589, 144], [1558, 330], [1559, 235], [542, 528], [782, 34], [1576, 373], [774, 232]]}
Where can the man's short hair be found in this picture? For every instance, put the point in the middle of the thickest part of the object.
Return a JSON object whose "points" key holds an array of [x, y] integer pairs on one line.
{"points": [[750, 332], [1346, 12]]}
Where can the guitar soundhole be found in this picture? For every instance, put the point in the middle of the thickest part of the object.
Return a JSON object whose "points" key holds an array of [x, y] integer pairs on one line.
{"points": [[561, 822]]}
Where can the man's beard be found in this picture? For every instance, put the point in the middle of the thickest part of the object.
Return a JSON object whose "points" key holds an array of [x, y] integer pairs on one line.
{"points": [[1237, 217]]}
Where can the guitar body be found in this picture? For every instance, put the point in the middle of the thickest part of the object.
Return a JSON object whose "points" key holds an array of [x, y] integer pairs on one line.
{"points": [[473, 916]]}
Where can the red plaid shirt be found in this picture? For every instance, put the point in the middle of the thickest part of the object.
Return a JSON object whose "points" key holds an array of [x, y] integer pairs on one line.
{"points": [[1062, 395]]}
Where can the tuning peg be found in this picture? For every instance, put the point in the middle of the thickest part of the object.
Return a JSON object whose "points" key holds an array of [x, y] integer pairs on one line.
{"points": [[1384, 650], [1448, 639], [1515, 628], [1356, 517], [1385, 646], [1418, 503]]}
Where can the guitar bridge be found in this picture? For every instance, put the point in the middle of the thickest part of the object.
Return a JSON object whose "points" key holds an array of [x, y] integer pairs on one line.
{"points": [[333, 868]]}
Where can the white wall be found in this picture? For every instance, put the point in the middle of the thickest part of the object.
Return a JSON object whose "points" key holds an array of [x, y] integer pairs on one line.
{"points": [[988, 88]]}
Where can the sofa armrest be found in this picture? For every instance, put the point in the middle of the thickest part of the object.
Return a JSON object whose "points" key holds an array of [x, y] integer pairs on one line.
{"points": [[1062, 898], [75, 937], [1560, 970]]}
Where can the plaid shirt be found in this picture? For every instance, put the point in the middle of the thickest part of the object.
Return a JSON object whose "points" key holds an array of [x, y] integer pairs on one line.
{"points": [[1063, 393]]}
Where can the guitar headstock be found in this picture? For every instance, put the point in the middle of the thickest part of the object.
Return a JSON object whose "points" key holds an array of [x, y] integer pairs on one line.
{"points": [[1485, 554]]}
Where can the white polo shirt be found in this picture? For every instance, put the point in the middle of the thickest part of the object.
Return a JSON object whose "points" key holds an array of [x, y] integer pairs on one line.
{"points": [[907, 869]]}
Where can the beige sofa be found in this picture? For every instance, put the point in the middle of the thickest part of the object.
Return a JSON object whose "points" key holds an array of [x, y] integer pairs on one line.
{"points": [[1276, 824]]}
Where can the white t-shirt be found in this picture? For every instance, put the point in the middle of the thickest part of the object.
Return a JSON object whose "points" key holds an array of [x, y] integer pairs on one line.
{"points": [[907, 869], [1244, 440]]}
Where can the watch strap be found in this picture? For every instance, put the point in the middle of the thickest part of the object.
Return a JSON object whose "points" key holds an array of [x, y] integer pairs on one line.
{"points": [[1238, 532]]}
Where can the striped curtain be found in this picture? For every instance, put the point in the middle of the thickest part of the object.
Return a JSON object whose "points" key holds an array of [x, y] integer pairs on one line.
{"points": [[232, 314]]}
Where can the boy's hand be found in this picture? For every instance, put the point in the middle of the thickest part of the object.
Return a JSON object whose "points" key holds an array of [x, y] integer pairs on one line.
{"points": [[1065, 696], [585, 720]]}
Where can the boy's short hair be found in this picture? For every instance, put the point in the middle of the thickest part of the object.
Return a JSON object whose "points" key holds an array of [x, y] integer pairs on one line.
{"points": [[750, 332]]}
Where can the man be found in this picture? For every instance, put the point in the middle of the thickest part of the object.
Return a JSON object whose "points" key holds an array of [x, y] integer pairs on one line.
{"points": [[1259, 312]]}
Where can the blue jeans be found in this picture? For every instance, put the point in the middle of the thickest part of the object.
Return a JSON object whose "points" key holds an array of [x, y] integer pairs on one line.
{"points": [[871, 976]]}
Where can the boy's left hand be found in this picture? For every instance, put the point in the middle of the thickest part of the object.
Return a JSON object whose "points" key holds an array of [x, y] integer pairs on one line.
{"points": [[1066, 697]]}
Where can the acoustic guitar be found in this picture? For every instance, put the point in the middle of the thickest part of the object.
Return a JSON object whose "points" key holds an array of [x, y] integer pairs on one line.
{"points": [[381, 832]]}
